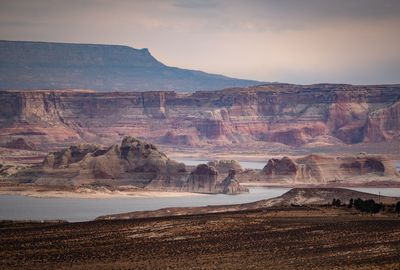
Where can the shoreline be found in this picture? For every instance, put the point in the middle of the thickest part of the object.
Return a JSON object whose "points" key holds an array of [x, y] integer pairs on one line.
{"points": [[92, 194], [348, 185], [86, 193]]}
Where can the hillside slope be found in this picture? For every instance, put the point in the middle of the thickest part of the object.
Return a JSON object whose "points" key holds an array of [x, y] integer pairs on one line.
{"points": [[45, 65]]}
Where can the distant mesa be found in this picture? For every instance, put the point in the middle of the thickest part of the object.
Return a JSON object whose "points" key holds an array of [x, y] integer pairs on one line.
{"points": [[50, 65]]}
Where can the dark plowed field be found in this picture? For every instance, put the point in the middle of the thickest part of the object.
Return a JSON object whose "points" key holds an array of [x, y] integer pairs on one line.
{"points": [[293, 238]]}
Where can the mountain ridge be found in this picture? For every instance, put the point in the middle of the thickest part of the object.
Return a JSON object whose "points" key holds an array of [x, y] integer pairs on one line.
{"points": [[34, 65]]}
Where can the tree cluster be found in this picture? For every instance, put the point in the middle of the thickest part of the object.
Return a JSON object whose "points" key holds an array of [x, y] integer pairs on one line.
{"points": [[368, 206], [336, 202]]}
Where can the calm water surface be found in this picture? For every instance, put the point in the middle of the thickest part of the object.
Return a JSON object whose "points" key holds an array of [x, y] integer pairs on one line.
{"points": [[21, 207]]}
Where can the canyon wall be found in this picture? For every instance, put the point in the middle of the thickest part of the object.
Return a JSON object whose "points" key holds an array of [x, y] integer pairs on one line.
{"points": [[323, 114]]}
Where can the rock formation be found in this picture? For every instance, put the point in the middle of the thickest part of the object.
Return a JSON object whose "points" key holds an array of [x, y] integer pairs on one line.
{"points": [[230, 185], [284, 166], [20, 143], [203, 179], [225, 166], [294, 115], [133, 162], [180, 139], [323, 169]]}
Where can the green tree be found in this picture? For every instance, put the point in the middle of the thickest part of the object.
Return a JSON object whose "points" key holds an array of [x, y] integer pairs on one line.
{"points": [[336, 202], [351, 202], [368, 206], [398, 207]]}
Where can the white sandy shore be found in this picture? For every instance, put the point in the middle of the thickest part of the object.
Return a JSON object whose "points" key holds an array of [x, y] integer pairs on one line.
{"points": [[94, 194]]}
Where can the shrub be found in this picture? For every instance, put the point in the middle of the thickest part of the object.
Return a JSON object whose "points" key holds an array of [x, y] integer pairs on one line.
{"points": [[336, 202], [351, 202], [368, 206], [397, 207]]}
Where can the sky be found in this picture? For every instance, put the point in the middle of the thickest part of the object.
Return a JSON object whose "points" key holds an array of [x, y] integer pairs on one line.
{"points": [[293, 41]]}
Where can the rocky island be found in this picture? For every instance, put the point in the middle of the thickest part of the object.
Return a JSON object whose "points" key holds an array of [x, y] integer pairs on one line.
{"points": [[133, 163]]}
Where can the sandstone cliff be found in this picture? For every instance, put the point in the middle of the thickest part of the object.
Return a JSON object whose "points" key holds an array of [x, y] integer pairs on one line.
{"points": [[131, 163], [323, 169], [204, 178], [284, 114]]}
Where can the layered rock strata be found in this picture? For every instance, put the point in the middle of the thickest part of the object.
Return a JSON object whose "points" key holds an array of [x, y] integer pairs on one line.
{"points": [[131, 163], [286, 114], [323, 169]]}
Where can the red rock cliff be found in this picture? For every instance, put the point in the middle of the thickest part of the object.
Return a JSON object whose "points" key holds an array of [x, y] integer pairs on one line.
{"points": [[282, 113]]}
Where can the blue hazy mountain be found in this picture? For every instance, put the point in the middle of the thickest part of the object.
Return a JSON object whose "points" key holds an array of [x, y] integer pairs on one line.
{"points": [[47, 65]]}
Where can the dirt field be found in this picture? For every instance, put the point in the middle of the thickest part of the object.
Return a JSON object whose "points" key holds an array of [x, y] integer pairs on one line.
{"points": [[279, 238]]}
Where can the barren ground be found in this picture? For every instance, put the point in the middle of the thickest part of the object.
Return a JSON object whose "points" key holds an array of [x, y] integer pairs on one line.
{"points": [[277, 238]]}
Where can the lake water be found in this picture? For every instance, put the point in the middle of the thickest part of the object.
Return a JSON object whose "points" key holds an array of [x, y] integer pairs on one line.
{"points": [[21, 207], [245, 164], [28, 208]]}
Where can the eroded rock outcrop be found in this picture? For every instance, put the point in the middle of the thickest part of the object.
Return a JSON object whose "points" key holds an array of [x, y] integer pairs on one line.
{"points": [[230, 185], [173, 138], [204, 179], [324, 169], [20, 143], [224, 166], [281, 167], [133, 162]]}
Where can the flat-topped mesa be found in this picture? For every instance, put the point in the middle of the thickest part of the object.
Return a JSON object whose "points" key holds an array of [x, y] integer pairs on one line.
{"points": [[322, 169], [51, 65]]}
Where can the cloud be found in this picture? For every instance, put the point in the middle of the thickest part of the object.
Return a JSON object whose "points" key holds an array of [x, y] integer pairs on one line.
{"points": [[195, 4], [272, 40]]}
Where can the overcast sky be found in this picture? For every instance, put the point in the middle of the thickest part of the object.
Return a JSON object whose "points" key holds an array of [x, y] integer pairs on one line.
{"points": [[296, 41]]}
